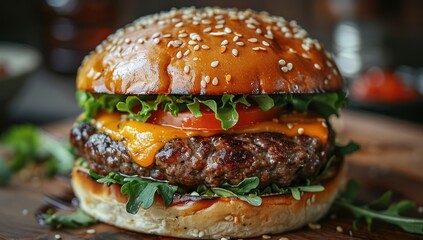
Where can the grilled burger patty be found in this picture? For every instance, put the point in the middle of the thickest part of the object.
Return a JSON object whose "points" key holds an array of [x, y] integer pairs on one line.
{"points": [[273, 157]]}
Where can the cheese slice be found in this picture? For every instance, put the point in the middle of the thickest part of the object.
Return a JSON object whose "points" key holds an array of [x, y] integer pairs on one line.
{"points": [[144, 140]]}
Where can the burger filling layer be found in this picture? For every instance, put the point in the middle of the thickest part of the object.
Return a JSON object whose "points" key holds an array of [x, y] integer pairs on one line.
{"points": [[284, 151]]}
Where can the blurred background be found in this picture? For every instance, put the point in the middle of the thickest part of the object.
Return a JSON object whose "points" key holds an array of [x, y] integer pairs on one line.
{"points": [[377, 44]]}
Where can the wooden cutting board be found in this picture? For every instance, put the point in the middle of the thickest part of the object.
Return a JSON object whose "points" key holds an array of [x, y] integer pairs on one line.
{"points": [[391, 159]]}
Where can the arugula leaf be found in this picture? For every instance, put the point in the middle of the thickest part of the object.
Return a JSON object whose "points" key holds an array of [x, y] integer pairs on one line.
{"points": [[390, 214], [140, 107], [75, 219], [342, 150], [244, 187], [30, 144], [253, 199]]}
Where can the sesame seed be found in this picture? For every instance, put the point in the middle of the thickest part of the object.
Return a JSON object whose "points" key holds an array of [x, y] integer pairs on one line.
{"points": [[223, 238], [300, 131], [183, 35], [268, 36], [290, 66], [156, 40], [339, 229], [205, 47], [90, 231], [292, 50], [203, 83], [235, 38], [179, 55], [329, 64], [305, 47], [228, 78], [420, 209], [253, 40], [282, 62], [229, 218], [127, 40], [350, 233], [324, 125], [308, 202], [313, 198], [222, 49], [215, 81], [155, 35], [187, 52], [265, 43], [251, 26], [317, 66], [186, 69], [57, 236], [97, 75], [235, 52], [284, 69], [238, 34], [305, 56], [140, 40], [222, 21], [240, 43], [218, 17], [220, 26], [192, 42], [207, 79], [201, 234], [214, 63], [167, 35], [326, 82], [218, 33], [283, 238], [227, 30], [224, 42], [179, 24], [206, 30], [266, 237], [259, 31], [256, 48], [195, 59], [205, 21], [314, 226], [290, 125], [25, 212], [318, 46]]}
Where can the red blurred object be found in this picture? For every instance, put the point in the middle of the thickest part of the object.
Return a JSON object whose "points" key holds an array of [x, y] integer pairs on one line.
{"points": [[75, 27], [3, 71], [382, 86]]}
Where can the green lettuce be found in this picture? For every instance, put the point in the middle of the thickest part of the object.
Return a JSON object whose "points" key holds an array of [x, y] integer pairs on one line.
{"points": [[140, 107]]}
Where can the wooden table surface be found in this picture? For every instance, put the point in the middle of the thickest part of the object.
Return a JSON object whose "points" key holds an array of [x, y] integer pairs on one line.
{"points": [[391, 158]]}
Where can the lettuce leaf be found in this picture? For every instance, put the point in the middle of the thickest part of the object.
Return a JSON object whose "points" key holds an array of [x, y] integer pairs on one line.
{"points": [[140, 107]]}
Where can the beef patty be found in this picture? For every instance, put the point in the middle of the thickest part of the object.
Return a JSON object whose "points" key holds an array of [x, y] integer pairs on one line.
{"points": [[273, 157]]}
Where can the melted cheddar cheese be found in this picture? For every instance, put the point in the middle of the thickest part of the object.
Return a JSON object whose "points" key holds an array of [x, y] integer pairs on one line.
{"points": [[144, 140]]}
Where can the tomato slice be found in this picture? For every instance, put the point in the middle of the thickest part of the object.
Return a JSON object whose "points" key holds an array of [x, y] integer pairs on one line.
{"points": [[186, 120]]}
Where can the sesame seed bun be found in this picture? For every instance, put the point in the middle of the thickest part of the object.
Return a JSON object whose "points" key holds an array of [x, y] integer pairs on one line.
{"points": [[209, 51], [205, 218]]}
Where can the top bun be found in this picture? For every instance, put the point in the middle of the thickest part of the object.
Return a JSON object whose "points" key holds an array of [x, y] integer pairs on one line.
{"points": [[210, 51]]}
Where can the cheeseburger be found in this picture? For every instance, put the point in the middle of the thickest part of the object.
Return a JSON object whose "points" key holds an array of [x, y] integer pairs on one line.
{"points": [[208, 123]]}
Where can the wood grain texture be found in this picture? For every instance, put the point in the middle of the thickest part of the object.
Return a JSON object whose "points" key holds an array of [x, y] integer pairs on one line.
{"points": [[391, 159]]}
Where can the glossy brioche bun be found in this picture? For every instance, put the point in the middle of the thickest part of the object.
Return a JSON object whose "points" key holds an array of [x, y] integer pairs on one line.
{"points": [[221, 217], [210, 51]]}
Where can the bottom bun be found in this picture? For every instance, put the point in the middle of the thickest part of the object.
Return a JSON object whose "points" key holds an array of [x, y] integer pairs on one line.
{"points": [[204, 218]]}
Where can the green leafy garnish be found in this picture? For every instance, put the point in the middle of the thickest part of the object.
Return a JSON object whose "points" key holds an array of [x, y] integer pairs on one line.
{"points": [[141, 191], [140, 107], [379, 209], [342, 150], [29, 144], [75, 219]]}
